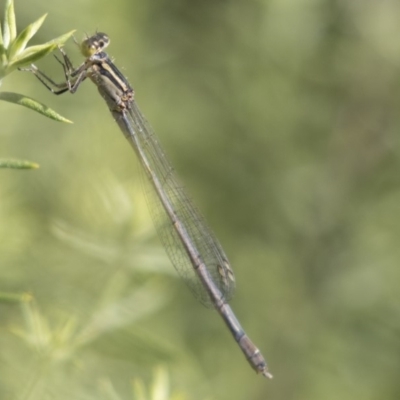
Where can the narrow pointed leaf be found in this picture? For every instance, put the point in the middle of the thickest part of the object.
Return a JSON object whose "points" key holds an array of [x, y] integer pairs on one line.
{"points": [[10, 27], [6, 30], [17, 164], [34, 105], [30, 55], [19, 44], [60, 40]]}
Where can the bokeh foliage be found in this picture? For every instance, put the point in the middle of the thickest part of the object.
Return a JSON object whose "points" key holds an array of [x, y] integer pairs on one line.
{"points": [[282, 118]]}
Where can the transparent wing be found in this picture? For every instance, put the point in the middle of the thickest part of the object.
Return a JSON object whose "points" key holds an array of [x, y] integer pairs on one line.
{"points": [[174, 197]]}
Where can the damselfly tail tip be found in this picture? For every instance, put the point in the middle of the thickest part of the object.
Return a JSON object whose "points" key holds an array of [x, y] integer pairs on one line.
{"points": [[267, 374]]}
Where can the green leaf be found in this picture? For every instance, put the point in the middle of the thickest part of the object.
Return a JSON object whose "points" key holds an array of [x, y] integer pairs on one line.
{"points": [[18, 164], [34, 53], [60, 40], [34, 105], [30, 55], [19, 44], [10, 27]]}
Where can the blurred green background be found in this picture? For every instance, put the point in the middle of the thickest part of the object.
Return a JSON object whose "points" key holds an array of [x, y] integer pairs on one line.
{"points": [[282, 118]]}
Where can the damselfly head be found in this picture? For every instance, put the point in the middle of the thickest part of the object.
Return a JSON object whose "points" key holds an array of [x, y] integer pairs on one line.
{"points": [[94, 44]]}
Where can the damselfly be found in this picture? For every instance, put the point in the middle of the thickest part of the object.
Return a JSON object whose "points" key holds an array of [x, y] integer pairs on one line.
{"points": [[194, 251]]}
